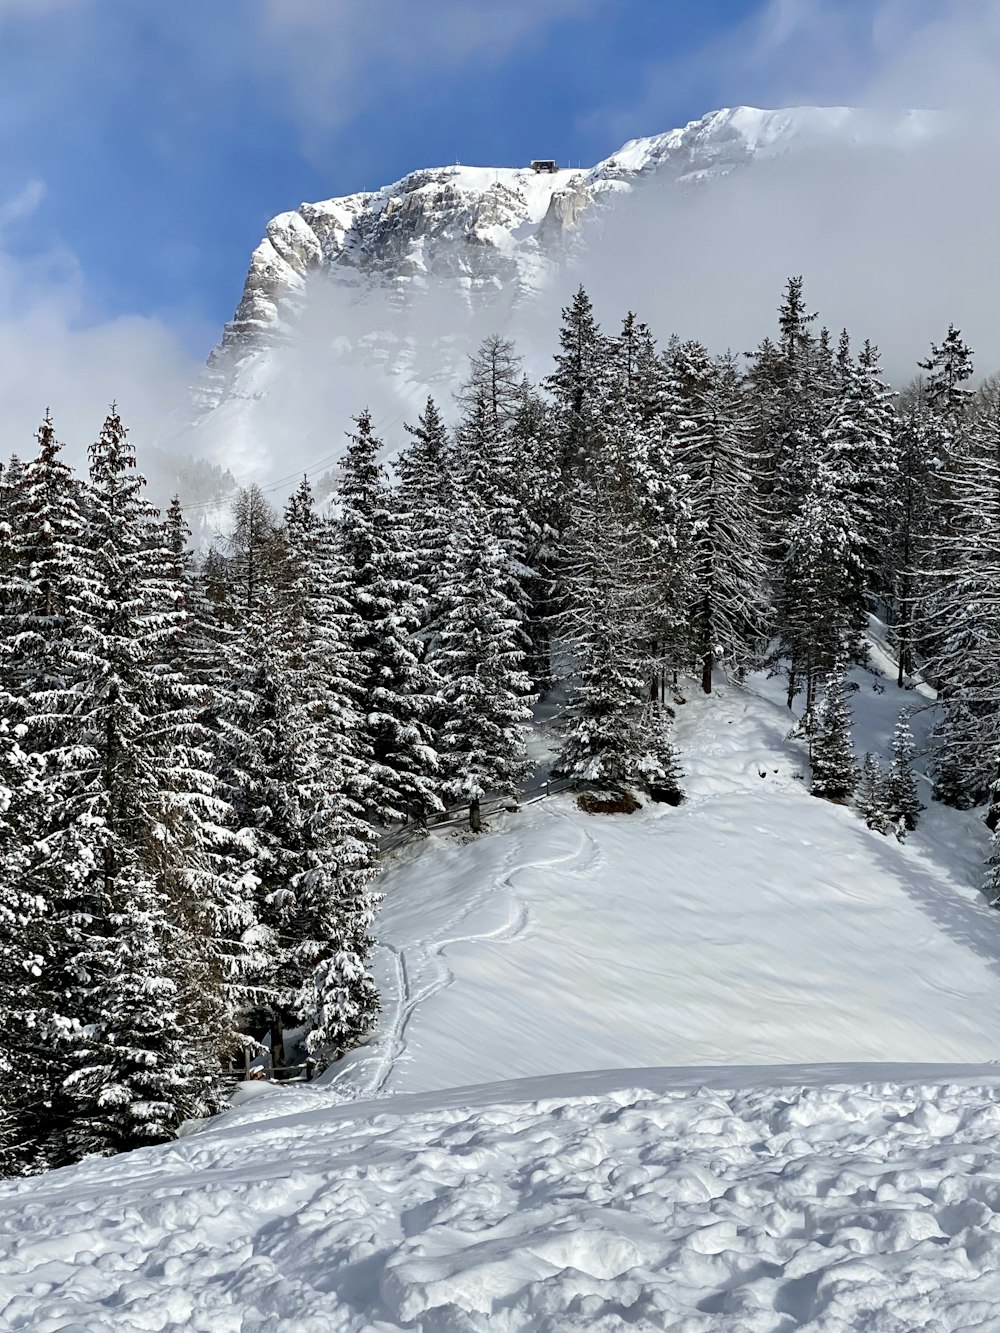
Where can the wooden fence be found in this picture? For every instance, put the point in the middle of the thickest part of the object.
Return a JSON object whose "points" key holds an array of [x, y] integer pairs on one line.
{"points": [[457, 816]]}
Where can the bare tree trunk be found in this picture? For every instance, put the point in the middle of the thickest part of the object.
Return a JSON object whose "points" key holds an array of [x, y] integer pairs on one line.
{"points": [[277, 1043], [475, 816], [706, 672]]}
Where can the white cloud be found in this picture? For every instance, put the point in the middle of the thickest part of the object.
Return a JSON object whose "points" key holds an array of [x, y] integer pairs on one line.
{"points": [[901, 53], [22, 205], [54, 354]]}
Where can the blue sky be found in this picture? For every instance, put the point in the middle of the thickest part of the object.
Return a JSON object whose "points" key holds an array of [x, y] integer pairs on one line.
{"points": [[146, 145]]}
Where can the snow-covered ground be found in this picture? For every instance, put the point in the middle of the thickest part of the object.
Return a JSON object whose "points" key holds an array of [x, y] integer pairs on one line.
{"points": [[636, 1204], [754, 924], [715, 1176]]}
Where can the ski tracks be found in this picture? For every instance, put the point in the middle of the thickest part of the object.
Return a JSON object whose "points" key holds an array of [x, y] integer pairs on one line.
{"points": [[415, 959]]}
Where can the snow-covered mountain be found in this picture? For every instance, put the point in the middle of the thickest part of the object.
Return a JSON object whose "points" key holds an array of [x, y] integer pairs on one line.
{"points": [[393, 285]]}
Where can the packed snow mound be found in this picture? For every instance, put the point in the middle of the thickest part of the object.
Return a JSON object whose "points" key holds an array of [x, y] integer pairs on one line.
{"points": [[652, 1204]]}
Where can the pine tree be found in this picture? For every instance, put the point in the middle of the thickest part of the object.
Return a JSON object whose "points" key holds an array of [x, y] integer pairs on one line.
{"points": [[327, 950], [140, 1066], [815, 608], [29, 955], [910, 507], [485, 690], [609, 600], [857, 444], [901, 800], [426, 502], [46, 585], [948, 367], [961, 627], [834, 768], [660, 765], [870, 797], [578, 387], [727, 568], [796, 411], [396, 687]]}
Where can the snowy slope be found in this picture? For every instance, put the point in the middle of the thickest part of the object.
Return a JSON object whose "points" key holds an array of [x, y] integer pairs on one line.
{"points": [[744, 939], [755, 924]]}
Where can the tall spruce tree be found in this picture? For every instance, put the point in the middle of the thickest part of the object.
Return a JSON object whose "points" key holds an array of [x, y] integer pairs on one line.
{"points": [[140, 1068], [834, 767], [727, 568], [485, 691], [397, 688], [327, 947], [902, 802]]}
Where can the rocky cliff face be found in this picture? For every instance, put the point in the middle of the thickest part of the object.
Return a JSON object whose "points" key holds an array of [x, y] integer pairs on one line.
{"points": [[472, 241]]}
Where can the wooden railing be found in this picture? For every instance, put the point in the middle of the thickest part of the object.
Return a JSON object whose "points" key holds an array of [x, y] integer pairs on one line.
{"points": [[455, 816]]}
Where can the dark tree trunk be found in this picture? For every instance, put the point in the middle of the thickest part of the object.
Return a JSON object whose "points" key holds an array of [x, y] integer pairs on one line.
{"points": [[475, 815], [706, 672]]}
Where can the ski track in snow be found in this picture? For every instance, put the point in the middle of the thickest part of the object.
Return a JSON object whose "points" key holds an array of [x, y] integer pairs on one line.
{"points": [[390, 1045], [753, 923]]}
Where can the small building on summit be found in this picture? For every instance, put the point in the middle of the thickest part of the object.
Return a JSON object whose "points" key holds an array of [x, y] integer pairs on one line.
{"points": [[544, 164]]}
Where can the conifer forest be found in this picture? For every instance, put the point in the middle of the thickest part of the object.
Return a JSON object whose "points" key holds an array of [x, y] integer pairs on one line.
{"points": [[203, 743]]}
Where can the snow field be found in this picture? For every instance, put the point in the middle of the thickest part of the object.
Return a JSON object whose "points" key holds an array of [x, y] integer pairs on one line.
{"points": [[695, 1209], [754, 924]]}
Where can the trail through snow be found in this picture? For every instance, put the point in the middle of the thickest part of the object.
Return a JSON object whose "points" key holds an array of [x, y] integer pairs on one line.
{"points": [[753, 924]]}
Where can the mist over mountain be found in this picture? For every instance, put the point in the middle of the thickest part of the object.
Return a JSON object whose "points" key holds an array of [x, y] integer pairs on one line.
{"points": [[377, 298]]}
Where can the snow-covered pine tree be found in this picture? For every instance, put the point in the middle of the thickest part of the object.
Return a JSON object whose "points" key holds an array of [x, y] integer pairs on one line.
{"points": [[30, 1072], [795, 409], [727, 567], [396, 687], [490, 465], [950, 427], [609, 599], [577, 387], [949, 366], [834, 767], [639, 439], [961, 623], [815, 610], [901, 800], [327, 948], [140, 1068], [214, 913], [44, 592], [45, 582], [909, 503], [857, 444], [535, 445], [426, 500], [870, 795], [485, 691], [660, 766]]}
